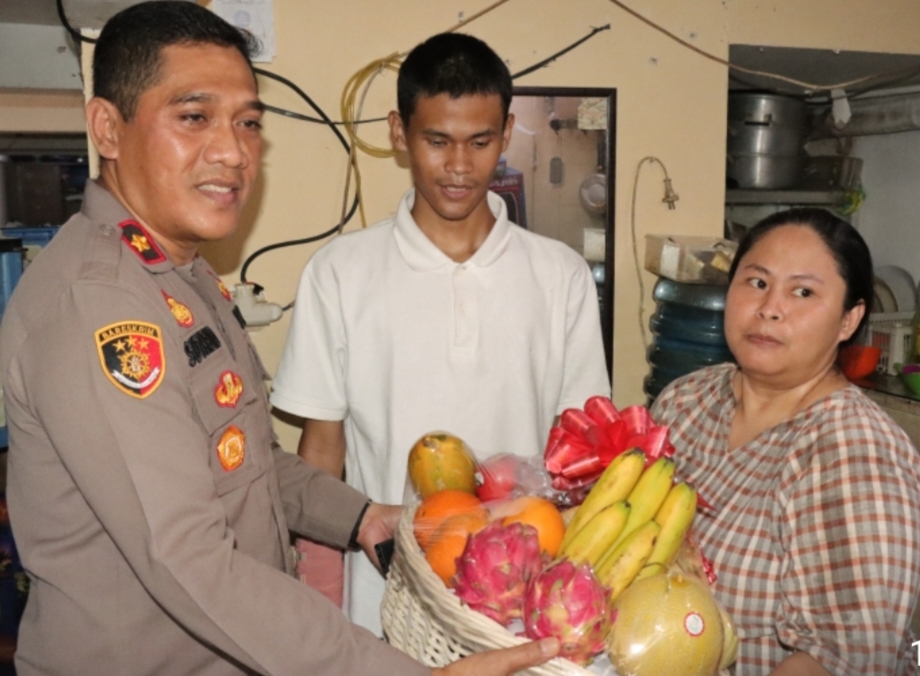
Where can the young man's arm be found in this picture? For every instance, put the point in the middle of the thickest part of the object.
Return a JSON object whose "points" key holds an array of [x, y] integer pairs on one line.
{"points": [[322, 445]]}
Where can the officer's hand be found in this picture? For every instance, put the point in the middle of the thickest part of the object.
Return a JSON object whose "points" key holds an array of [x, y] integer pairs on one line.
{"points": [[502, 662], [379, 524]]}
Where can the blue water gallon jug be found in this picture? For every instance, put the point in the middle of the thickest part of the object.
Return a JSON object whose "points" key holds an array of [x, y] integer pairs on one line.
{"points": [[688, 332]]}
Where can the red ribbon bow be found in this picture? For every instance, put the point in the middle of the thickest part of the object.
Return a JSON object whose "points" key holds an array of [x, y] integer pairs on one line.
{"points": [[585, 441]]}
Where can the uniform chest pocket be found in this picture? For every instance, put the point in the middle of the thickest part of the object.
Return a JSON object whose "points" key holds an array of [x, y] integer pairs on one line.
{"points": [[225, 404]]}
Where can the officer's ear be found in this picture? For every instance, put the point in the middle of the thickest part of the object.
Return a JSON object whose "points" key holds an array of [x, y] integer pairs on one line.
{"points": [[104, 123]]}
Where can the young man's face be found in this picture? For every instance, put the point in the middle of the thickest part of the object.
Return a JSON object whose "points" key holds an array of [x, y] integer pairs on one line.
{"points": [[185, 163], [453, 147]]}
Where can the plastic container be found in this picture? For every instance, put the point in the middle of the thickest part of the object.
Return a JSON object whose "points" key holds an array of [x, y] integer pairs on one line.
{"points": [[688, 325], [690, 259], [892, 333], [858, 361]]}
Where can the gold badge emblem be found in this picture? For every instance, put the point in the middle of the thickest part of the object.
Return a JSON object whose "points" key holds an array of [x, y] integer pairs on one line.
{"points": [[180, 311], [132, 356], [231, 449], [229, 390]]}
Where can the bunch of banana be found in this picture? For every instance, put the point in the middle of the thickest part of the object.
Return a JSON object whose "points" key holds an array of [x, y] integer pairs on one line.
{"points": [[633, 521]]}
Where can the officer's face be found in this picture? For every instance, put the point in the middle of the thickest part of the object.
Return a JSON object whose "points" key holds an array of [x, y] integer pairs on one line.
{"points": [[185, 163]]}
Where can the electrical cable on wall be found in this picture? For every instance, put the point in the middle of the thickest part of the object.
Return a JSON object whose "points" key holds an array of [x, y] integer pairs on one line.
{"points": [[670, 198], [762, 73]]}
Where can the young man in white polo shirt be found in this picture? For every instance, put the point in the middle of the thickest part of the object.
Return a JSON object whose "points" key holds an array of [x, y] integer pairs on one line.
{"points": [[444, 317]]}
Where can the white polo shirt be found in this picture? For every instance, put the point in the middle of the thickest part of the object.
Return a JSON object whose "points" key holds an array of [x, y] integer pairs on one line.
{"points": [[395, 338]]}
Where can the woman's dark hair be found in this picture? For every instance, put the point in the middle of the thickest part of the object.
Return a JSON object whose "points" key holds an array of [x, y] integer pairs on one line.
{"points": [[454, 64], [846, 245], [128, 53]]}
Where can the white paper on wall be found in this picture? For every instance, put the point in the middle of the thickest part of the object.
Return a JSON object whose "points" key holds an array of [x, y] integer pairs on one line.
{"points": [[255, 16]]}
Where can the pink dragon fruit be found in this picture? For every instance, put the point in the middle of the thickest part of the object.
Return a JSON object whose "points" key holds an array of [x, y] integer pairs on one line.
{"points": [[495, 567], [567, 602]]}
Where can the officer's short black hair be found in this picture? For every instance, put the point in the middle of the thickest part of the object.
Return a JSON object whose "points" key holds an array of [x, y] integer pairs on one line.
{"points": [[129, 51], [453, 64]]}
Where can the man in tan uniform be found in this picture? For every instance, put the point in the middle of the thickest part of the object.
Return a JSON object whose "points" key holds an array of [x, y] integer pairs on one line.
{"points": [[148, 496]]}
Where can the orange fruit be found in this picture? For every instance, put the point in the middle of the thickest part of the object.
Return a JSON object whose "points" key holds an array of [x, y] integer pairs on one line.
{"points": [[539, 513], [449, 540], [440, 461], [440, 505]]}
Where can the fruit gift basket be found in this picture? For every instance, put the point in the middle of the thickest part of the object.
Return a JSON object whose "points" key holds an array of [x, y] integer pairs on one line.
{"points": [[589, 543], [427, 621]]}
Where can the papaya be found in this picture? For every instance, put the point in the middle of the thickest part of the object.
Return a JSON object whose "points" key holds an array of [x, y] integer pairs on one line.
{"points": [[440, 460]]}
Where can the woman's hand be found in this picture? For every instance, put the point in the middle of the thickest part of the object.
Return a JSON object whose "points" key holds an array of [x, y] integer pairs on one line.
{"points": [[379, 524], [502, 662], [800, 664]]}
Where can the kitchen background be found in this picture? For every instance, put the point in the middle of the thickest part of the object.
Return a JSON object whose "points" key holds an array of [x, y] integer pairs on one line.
{"points": [[671, 104]]}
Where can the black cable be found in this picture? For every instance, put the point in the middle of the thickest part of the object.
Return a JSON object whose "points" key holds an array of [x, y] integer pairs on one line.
{"points": [[77, 35], [546, 62]]}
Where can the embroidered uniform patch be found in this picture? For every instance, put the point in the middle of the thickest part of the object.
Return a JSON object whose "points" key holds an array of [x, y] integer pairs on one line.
{"points": [[224, 291], [229, 390], [200, 344], [180, 311], [141, 243], [132, 356], [231, 449]]}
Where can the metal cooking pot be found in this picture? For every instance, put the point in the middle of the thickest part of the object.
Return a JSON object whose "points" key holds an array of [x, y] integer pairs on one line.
{"points": [[766, 138]]}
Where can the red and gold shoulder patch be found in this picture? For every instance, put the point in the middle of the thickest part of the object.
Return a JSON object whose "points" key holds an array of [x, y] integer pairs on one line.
{"points": [[141, 243], [231, 449], [180, 311], [228, 390], [132, 356], [224, 291]]}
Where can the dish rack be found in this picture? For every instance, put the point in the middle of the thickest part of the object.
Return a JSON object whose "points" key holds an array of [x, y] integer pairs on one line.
{"points": [[427, 621], [891, 332]]}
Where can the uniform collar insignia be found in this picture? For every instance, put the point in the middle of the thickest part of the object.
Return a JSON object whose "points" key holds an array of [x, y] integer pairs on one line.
{"points": [[141, 243]]}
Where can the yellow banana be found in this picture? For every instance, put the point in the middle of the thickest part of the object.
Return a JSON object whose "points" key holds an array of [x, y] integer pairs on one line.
{"points": [[596, 536], [613, 485], [674, 517], [620, 567], [648, 495], [650, 569]]}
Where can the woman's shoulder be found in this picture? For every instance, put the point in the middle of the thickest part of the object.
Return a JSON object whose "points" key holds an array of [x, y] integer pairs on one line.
{"points": [[850, 412], [696, 390]]}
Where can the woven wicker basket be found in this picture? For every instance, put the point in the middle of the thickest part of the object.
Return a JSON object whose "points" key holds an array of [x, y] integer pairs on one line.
{"points": [[427, 621]]}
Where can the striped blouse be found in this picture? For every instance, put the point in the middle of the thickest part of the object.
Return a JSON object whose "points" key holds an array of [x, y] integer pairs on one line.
{"points": [[814, 530]]}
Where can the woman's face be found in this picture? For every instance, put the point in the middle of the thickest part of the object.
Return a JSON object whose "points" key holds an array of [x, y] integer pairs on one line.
{"points": [[784, 315]]}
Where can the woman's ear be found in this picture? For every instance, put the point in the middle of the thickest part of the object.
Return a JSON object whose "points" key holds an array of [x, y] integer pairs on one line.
{"points": [[103, 122], [851, 320]]}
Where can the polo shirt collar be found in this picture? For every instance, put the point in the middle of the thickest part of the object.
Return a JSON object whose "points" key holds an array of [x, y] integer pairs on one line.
{"points": [[422, 255]]}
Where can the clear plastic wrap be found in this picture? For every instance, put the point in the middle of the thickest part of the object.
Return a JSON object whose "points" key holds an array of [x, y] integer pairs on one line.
{"points": [[670, 623], [566, 601]]}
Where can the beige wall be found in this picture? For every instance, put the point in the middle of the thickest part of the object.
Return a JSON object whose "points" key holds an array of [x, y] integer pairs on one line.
{"points": [[671, 104]]}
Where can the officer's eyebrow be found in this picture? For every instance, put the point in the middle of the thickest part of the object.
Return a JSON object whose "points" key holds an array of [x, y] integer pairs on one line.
{"points": [[204, 97]]}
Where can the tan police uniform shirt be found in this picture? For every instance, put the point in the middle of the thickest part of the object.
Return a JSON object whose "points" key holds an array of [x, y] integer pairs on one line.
{"points": [[148, 496]]}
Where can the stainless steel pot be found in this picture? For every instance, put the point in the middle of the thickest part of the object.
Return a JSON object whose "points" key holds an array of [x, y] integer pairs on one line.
{"points": [[766, 138]]}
